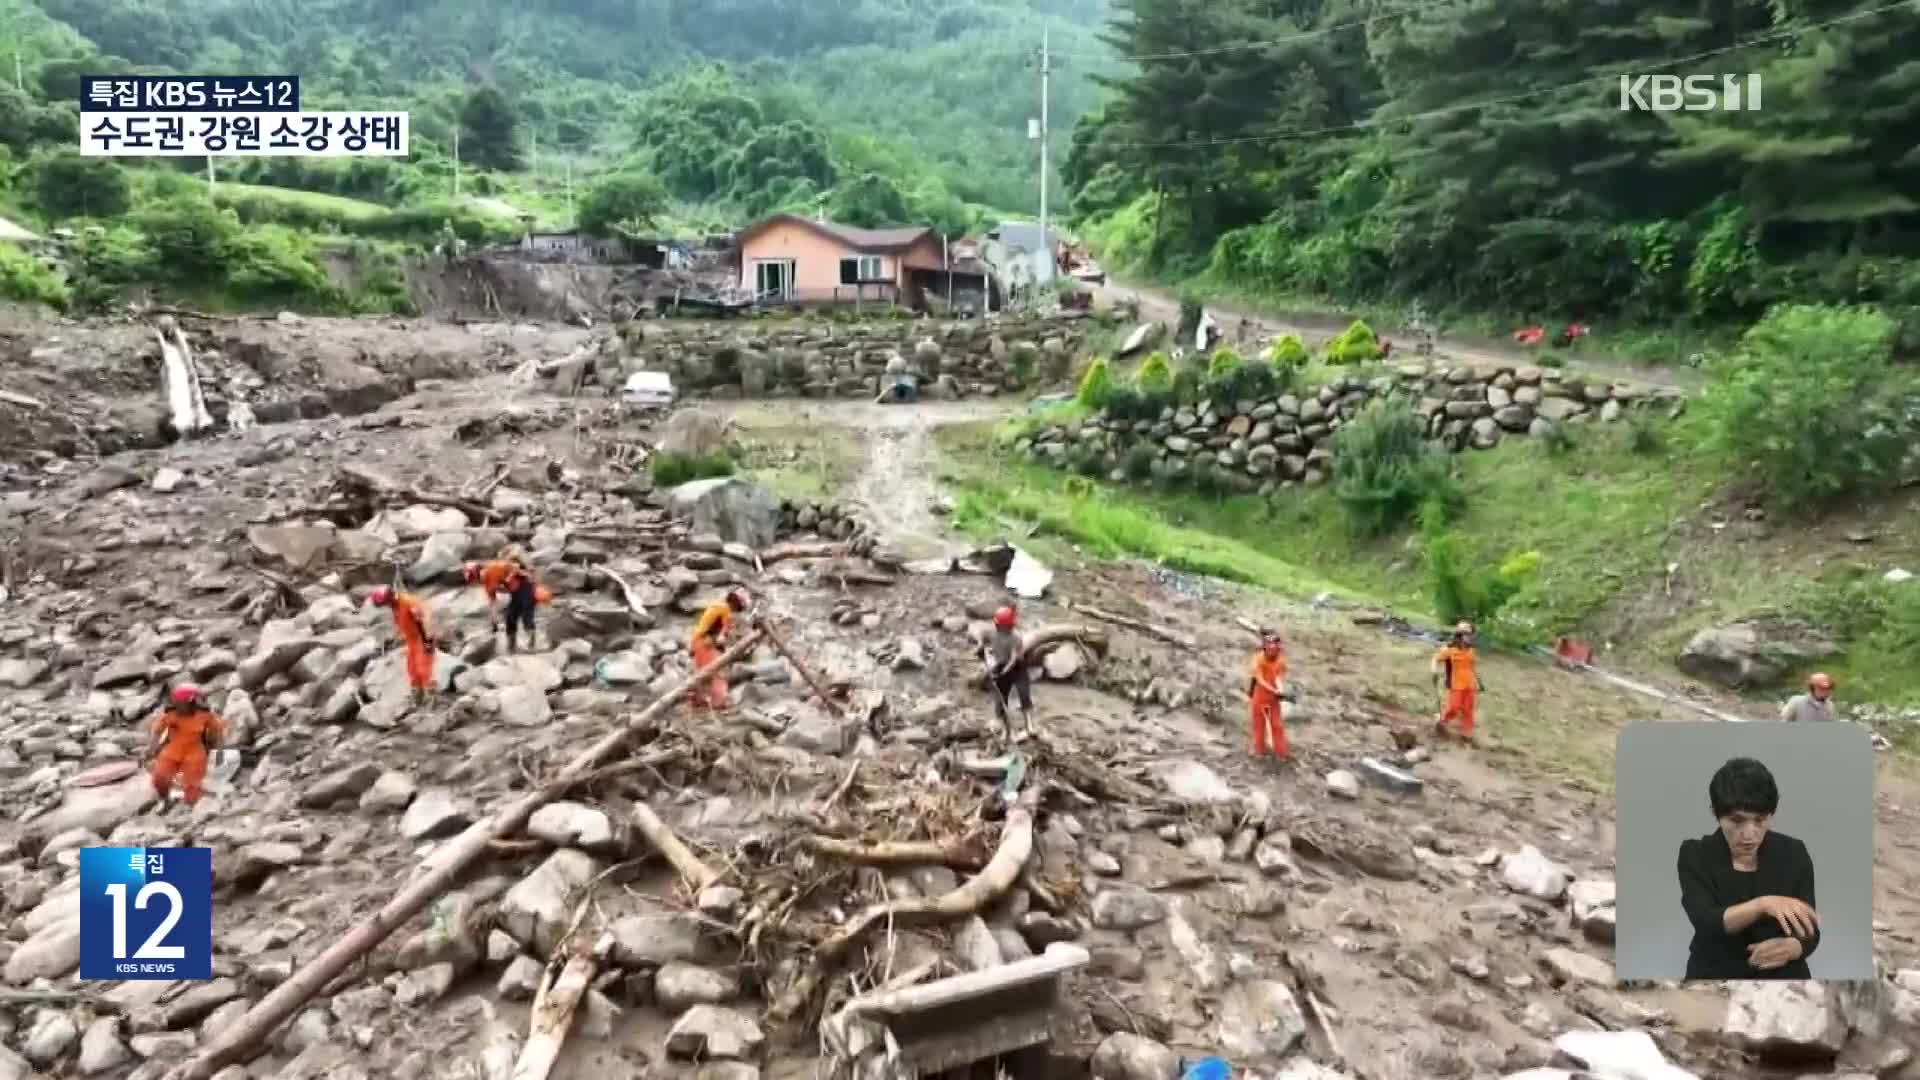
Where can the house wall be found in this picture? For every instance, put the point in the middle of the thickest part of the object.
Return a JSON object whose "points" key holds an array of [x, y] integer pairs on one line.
{"points": [[816, 257], [926, 251]]}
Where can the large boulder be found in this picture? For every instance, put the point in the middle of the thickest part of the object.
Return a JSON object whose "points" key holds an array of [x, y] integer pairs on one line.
{"points": [[693, 433], [736, 510], [1753, 652]]}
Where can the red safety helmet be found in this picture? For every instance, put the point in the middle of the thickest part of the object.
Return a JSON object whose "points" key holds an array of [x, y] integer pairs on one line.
{"points": [[1004, 618], [185, 694], [381, 596]]}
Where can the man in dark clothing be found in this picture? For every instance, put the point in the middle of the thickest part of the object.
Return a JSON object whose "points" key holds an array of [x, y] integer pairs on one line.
{"points": [[521, 600], [1747, 890], [1006, 658]]}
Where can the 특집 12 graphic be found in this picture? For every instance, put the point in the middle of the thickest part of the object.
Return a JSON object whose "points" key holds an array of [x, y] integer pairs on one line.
{"points": [[146, 913]]}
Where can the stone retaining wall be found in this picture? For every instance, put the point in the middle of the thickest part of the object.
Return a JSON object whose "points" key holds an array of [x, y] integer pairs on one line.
{"points": [[967, 358], [1257, 445]]}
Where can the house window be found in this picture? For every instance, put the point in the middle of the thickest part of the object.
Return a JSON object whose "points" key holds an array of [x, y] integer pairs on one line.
{"points": [[861, 268]]}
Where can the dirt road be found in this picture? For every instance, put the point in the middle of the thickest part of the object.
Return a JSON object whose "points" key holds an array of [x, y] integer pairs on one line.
{"points": [[1314, 328]]}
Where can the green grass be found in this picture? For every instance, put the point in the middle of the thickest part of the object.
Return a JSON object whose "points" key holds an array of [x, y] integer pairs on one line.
{"points": [[339, 207], [1608, 517], [672, 470]]}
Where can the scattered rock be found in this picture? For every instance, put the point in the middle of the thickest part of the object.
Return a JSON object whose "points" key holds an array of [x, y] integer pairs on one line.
{"points": [[1530, 872], [1343, 784], [1127, 909], [713, 1032], [1124, 1056], [680, 986], [1785, 1020]]}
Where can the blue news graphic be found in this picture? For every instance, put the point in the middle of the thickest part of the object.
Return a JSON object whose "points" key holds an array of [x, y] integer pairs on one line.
{"points": [[190, 93], [146, 913]]}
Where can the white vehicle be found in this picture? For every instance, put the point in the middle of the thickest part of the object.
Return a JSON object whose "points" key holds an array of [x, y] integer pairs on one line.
{"points": [[649, 389]]}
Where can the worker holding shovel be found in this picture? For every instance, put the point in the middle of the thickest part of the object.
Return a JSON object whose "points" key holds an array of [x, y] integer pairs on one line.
{"points": [[1005, 656], [1453, 672]]}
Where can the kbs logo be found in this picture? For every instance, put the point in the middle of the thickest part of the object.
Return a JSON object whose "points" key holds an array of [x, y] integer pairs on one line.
{"points": [[1694, 93]]}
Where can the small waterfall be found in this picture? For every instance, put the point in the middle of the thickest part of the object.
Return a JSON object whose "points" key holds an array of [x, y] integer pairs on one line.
{"points": [[180, 378]]}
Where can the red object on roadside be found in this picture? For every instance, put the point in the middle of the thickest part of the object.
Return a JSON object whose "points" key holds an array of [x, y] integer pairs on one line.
{"points": [[1573, 651], [1531, 335]]}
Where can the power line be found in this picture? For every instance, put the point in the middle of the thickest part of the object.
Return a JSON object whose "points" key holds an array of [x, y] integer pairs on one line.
{"points": [[1448, 110]]}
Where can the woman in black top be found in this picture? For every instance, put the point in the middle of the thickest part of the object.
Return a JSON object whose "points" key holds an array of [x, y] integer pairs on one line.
{"points": [[1747, 890]]}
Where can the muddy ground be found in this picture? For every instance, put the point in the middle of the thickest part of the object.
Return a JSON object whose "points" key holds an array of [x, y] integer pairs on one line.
{"points": [[1286, 921]]}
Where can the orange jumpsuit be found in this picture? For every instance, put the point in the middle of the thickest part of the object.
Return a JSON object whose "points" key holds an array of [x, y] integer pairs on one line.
{"points": [[410, 620], [1271, 670], [714, 623], [1463, 686], [189, 732], [494, 576]]}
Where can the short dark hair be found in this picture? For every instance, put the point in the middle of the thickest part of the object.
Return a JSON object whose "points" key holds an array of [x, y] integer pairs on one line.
{"points": [[1743, 786]]}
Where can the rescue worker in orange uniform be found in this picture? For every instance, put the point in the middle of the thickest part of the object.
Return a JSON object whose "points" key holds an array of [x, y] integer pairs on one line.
{"points": [[183, 733], [1265, 680], [1453, 670], [410, 621], [710, 635], [510, 576]]}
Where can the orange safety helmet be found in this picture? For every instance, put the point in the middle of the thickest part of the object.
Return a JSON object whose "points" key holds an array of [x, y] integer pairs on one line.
{"points": [[1004, 618], [1820, 680], [381, 596], [185, 694]]}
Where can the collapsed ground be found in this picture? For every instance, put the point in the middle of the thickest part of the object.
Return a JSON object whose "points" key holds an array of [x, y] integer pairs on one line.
{"points": [[1230, 907]]}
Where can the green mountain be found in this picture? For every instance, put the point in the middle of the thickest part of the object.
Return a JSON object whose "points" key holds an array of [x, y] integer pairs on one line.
{"points": [[932, 98]]}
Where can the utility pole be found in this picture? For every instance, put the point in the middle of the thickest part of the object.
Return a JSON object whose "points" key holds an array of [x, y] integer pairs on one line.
{"points": [[534, 160], [1046, 74], [456, 160], [209, 177], [570, 221], [19, 80]]}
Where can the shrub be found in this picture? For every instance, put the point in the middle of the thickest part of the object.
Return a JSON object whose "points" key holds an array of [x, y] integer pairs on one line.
{"points": [[1248, 381], [1354, 345], [1139, 462], [22, 277], [1155, 375], [1460, 591], [1288, 352], [1644, 435], [1096, 385], [672, 470], [1224, 363], [1020, 362], [1384, 470], [1812, 403], [1557, 439], [105, 261], [1191, 309]]}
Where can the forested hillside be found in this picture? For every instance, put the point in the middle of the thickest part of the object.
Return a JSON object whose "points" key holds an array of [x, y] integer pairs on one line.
{"points": [[934, 94], [1475, 155]]}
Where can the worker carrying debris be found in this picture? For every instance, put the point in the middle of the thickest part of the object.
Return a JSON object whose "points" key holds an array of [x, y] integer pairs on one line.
{"points": [[1815, 704], [710, 635], [416, 634], [510, 575], [1264, 684], [1005, 656], [1453, 670], [183, 734]]}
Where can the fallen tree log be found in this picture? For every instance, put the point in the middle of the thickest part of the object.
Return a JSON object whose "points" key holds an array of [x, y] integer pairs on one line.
{"points": [[1173, 637], [812, 683], [992, 882], [784, 552], [1049, 638], [696, 873], [370, 482], [956, 856], [553, 1009], [438, 874]]}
